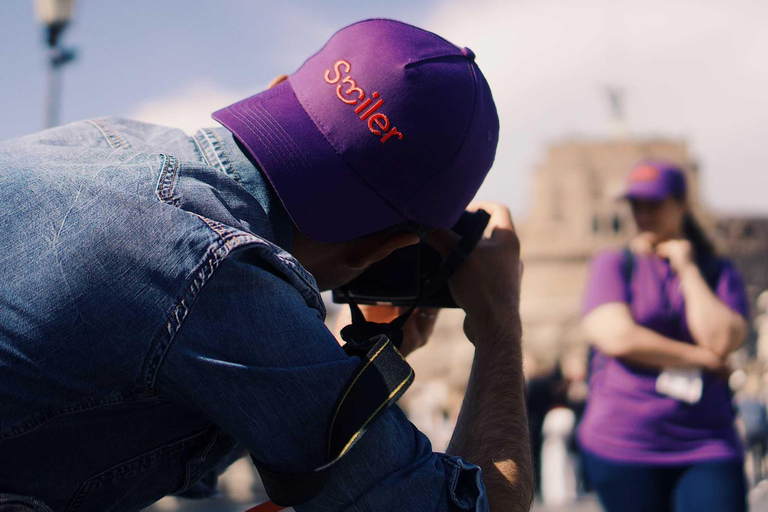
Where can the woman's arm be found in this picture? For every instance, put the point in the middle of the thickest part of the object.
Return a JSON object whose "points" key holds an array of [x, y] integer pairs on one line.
{"points": [[712, 323], [613, 330]]}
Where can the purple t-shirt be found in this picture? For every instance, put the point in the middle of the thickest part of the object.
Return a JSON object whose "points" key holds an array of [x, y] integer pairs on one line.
{"points": [[626, 419]]}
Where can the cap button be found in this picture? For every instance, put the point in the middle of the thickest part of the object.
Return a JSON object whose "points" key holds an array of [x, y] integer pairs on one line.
{"points": [[468, 53]]}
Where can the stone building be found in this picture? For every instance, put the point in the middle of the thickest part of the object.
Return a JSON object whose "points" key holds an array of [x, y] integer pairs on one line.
{"points": [[745, 241], [576, 212]]}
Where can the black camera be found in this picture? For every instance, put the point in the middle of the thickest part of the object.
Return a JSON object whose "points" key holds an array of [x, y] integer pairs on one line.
{"points": [[417, 274]]}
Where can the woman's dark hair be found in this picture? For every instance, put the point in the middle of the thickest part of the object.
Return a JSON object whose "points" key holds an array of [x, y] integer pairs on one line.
{"points": [[703, 248], [696, 235]]}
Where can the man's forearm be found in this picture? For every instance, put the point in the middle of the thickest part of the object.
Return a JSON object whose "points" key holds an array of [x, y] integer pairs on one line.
{"points": [[492, 429]]}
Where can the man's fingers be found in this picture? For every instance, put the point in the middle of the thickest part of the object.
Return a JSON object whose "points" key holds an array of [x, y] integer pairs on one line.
{"points": [[429, 313], [278, 79], [500, 225], [443, 240]]}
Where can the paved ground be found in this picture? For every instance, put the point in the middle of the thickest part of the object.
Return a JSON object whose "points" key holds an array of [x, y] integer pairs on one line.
{"points": [[758, 503], [587, 504], [238, 485]]}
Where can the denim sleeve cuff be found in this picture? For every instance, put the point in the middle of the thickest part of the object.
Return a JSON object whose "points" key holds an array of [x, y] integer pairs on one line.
{"points": [[465, 484]]}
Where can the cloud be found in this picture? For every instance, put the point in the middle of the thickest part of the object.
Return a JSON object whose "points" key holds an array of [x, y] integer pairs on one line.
{"points": [[191, 108], [690, 68]]}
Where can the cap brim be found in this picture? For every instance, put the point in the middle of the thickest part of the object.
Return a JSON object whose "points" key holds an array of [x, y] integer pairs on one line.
{"points": [[325, 198], [649, 193]]}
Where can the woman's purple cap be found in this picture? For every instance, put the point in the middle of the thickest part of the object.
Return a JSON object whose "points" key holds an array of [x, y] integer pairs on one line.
{"points": [[655, 180], [386, 123]]}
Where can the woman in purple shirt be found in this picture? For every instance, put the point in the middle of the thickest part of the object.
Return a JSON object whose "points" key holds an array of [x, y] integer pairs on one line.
{"points": [[657, 433]]}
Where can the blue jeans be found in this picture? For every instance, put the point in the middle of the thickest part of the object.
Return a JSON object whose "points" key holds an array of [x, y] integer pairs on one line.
{"points": [[717, 486]]}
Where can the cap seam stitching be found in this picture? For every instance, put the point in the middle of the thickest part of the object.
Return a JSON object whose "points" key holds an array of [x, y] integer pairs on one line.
{"points": [[388, 20], [245, 120], [377, 20], [430, 178], [320, 127]]}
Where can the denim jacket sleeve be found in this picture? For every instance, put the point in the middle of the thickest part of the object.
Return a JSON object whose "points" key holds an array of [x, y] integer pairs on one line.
{"points": [[260, 363]]}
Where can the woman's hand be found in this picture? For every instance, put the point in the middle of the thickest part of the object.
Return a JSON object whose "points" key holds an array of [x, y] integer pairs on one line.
{"points": [[678, 252], [643, 243], [711, 362]]}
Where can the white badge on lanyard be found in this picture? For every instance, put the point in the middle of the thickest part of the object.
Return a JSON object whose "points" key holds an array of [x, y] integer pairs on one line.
{"points": [[684, 384]]}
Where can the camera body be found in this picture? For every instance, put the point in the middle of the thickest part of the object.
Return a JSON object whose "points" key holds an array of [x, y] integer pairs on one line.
{"points": [[416, 274]]}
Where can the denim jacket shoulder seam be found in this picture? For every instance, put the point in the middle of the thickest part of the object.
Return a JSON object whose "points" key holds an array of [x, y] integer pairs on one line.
{"points": [[208, 139], [42, 418], [166, 180], [201, 153], [227, 240], [113, 137], [217, 253]]}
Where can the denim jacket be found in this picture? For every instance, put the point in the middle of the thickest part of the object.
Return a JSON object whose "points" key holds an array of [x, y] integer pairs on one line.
{"points": [[153, 324]]}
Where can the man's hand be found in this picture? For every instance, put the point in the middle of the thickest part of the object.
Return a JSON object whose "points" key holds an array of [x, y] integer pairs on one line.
{"points": [[416, 331], [492, 429], [487, 286], [678, 252]]}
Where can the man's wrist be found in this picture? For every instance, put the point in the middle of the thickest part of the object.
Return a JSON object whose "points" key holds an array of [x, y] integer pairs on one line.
{"points": [[494, 332]]}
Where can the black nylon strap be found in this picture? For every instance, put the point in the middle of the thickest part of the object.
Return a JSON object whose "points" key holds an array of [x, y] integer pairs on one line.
{"points": [[360, 334], [380, 380], [289, 489]]}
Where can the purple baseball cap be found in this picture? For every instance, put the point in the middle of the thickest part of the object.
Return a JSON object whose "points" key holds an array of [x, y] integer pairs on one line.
{"points": [[655, 180], [386, 123]]}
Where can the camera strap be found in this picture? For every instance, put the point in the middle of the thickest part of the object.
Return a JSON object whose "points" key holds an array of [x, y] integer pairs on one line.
{"points": [[360, 330], [379, 381]]}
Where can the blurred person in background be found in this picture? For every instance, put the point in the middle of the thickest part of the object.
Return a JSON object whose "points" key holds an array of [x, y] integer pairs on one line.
{"points": [[749, 399], [543, 386], [549, 394], [663, 314], [160, 298]]}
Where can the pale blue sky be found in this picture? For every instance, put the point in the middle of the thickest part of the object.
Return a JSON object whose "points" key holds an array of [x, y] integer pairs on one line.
{"points": [[134, 50], [692, 68]]}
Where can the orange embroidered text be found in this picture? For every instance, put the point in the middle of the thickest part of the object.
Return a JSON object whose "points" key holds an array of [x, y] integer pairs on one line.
{"points": [[350, 93]]}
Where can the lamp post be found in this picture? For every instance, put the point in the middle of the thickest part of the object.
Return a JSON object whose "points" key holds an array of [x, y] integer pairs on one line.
{"points": [[54, 15]]}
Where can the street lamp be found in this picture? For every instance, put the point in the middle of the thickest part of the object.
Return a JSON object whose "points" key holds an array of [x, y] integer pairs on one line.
{"points": [[54, 15]]}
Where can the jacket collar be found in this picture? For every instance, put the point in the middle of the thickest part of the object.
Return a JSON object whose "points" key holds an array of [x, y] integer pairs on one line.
{"points": [[222, 151]]}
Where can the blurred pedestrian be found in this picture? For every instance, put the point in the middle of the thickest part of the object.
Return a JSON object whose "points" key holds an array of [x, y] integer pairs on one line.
{"points": [[752, 419], [663, 314], [555, 404]]}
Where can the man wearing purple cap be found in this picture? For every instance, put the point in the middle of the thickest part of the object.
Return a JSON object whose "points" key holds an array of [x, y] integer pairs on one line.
{"points": [[159, 293]]}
